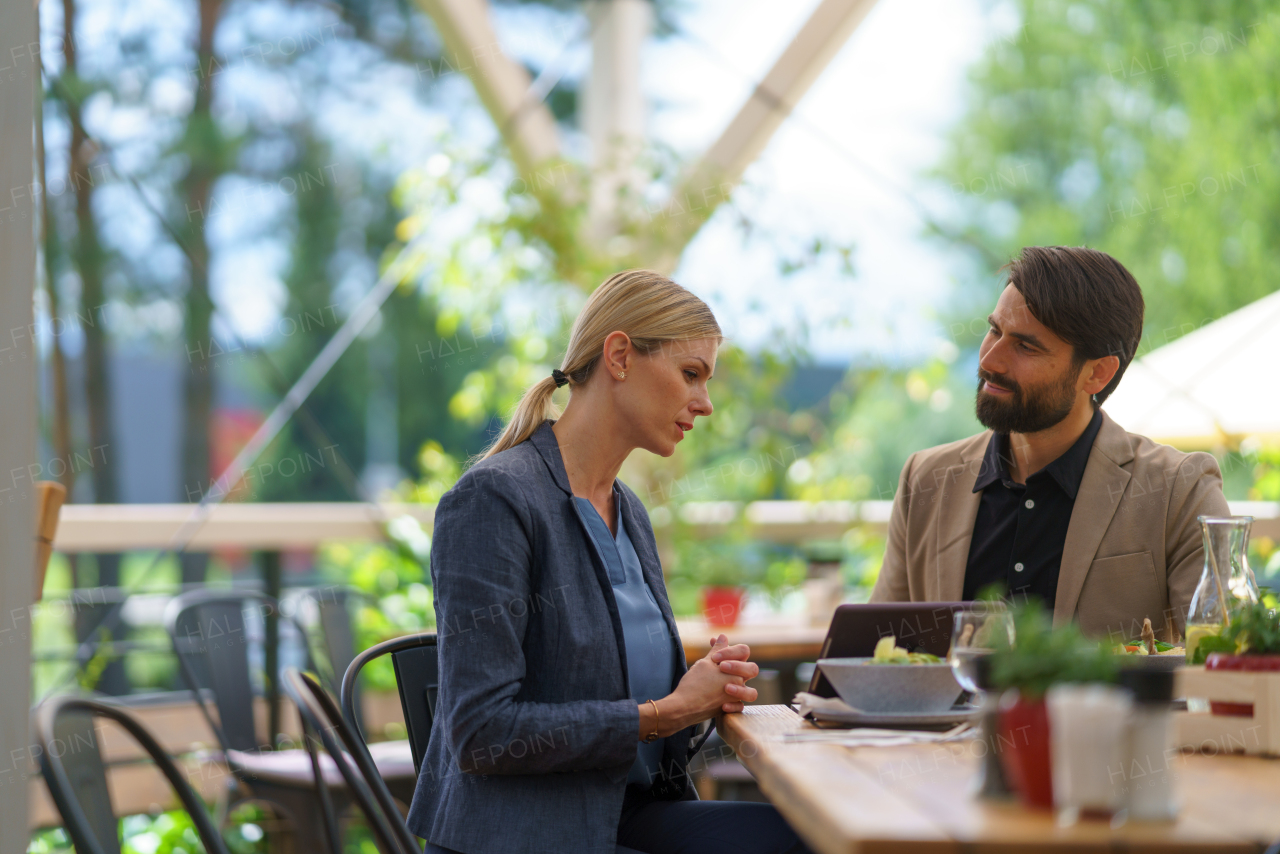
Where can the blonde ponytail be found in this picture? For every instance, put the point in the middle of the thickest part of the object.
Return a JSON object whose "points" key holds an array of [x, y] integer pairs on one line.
{"points": [[534, 408], [650, 308]]}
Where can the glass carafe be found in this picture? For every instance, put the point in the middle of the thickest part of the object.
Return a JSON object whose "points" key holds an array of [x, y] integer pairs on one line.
{"points": [[1226, 583]]}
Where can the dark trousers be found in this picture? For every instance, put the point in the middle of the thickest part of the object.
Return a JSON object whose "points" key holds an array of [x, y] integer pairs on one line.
{"points": [[705, 827], [698, 827]]}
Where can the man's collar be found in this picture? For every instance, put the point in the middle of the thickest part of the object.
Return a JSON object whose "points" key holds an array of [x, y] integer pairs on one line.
{"points": [[1067, 470], [993, 462]]}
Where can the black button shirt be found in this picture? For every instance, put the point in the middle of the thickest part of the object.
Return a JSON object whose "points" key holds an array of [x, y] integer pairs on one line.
{"points": [[1020, 529]]}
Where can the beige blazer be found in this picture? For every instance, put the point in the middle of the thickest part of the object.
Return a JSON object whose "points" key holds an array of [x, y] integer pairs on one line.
{"points": [[1133, 546]]}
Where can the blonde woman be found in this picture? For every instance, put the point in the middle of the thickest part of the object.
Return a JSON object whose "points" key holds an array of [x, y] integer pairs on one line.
{"points": [[565, 708]]}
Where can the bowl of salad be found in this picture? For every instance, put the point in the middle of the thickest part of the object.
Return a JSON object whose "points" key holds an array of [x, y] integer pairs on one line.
{"points": [[893, 680], [1147, 653]]}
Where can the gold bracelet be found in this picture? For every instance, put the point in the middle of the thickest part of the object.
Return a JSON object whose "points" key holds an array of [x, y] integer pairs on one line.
{"points": [[653, 736]]}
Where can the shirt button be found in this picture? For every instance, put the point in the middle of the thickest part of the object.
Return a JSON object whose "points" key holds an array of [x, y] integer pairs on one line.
{"points": [[1017, 567], [1029, 504]]}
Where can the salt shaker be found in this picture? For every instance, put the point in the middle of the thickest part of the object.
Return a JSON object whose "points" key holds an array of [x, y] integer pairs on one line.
{"points": [[1148, 776], [1088, 729]]}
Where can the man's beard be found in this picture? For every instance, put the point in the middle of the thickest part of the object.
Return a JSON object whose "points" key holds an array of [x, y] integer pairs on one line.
{"points": [[1025, 411]]}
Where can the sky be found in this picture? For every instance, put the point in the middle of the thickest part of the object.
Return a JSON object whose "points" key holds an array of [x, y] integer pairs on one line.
{"points": [[846, 166]]}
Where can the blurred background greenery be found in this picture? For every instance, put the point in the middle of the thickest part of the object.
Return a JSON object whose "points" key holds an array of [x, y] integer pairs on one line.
{"points": [[1147, 129], [254, 164]]}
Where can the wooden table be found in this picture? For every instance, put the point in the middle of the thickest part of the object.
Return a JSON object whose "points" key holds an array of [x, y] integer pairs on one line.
{"points": [[917, 798], [769, 641]]}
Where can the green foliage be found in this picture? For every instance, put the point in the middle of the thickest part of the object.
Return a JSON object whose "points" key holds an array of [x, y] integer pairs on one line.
{"points": [[784, 573], [243, 832], [1266, 476], [147, 670], [171, 832], [1212, 643], [1264, 555], [1042, 656], [52, 840], [482, 237], [879, 417], [398, 599], [722, 562], [731, 559], [167, 833], [864, 554], [528, 245], [407, 367], [1254, 630], [375, 569], [89, 675], [1143, 128], [744, 450], [439, 471]]}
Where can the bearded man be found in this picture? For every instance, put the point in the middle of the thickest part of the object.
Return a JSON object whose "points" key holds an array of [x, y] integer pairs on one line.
{"points": [[1055, 500]]}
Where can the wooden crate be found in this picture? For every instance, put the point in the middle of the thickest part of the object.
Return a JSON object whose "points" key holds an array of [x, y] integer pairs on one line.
{"points": [[1211, 734]]}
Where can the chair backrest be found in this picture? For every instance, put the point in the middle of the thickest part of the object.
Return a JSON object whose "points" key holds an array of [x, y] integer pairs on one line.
{"points": [[324, 724], [417, 667], [333, 605], [333, 619], [209, 635], [71, 761]]}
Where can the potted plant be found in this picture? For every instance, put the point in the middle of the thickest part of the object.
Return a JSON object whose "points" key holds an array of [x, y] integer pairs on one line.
{"points": [[1041, 656], [719, 574], [721, 570], [1251, 642]]}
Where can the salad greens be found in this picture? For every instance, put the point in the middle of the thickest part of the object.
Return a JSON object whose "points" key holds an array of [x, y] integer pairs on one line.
{"points": [[1136, 647], [1254, 630], [887, 651]]}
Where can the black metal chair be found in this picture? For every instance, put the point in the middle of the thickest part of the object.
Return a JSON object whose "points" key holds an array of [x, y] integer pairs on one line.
{"points": [[417, 669], [323, 724], [71, 761], [209, 634], [333, 616], [331, 606]]}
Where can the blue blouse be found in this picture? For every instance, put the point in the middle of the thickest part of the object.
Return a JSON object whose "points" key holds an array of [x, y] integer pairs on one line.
{"points": [[650, 652]]}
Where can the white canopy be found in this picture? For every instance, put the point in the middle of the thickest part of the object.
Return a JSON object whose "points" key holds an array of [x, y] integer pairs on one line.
{"points": [[1210, 388]]}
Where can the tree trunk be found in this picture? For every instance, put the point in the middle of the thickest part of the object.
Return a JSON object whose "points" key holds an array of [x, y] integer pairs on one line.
{"points": [[60, 426], [90, 260], [205, 155]]}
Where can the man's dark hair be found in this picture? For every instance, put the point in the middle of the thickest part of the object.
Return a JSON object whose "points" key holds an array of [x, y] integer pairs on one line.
{"points": [[1086, 298]]}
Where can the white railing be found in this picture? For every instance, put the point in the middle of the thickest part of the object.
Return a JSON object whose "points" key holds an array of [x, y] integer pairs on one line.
{"points": [[267, 527]]}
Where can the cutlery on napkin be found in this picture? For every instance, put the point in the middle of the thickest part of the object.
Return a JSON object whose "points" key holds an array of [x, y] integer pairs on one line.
{"points": [[864, 736]]}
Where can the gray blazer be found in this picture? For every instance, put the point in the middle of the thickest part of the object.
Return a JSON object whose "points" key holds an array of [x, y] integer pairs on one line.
{"points": [[534, 728]]}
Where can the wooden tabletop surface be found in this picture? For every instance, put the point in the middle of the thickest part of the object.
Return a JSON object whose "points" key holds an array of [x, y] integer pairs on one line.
{"points": [[918, 798], [769, 641]]}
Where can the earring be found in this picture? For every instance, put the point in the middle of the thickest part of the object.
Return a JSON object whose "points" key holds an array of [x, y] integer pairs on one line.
{"points": [[622, 375]]}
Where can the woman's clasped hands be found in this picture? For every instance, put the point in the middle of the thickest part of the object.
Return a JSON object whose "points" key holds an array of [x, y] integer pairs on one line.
{"points": [[715, 683]]}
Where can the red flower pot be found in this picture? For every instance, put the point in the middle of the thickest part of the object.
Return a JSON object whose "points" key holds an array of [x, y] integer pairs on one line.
{"points": [[1247, 663], [1023, 743], [721, 605]]}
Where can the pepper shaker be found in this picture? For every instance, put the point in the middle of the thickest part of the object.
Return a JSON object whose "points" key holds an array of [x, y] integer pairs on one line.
{"points": [[1148, 776]]}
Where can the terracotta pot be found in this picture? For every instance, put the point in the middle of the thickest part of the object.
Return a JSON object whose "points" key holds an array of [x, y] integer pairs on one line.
{"points": [[1023, 743], [721, 605], [1246, 663]]}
